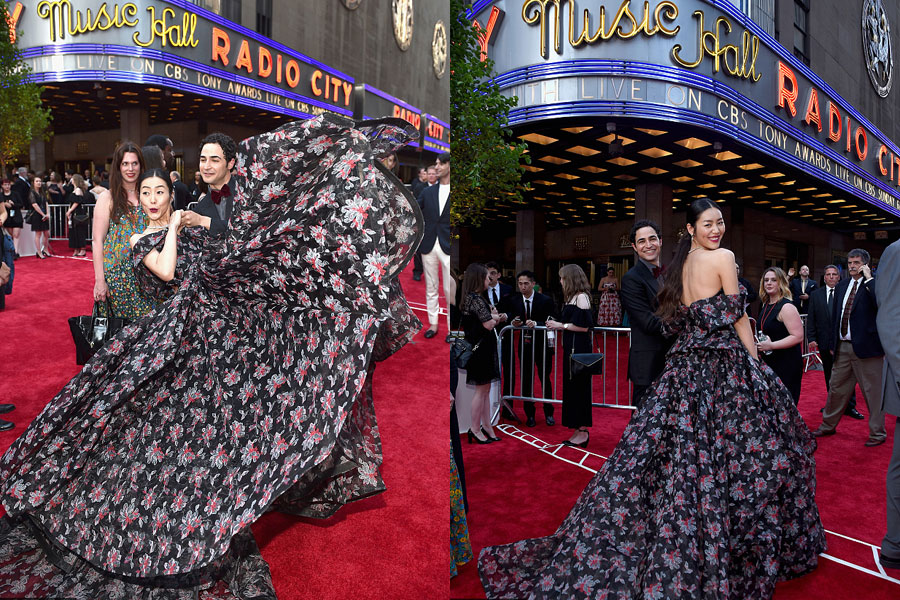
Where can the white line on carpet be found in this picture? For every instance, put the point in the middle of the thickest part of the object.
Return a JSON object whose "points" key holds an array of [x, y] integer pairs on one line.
{"points": [[551, 449]]}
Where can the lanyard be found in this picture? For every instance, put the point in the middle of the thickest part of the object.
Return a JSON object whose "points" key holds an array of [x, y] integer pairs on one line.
{"points": [[764, 313]]}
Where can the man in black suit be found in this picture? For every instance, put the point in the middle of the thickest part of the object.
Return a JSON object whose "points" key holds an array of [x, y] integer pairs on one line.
{"points": [[497, 293], [752, 290], [435, 245], [497, 290], [859, 356], [818, 329], [801, 288], [21, 189], [164, 143], [182, 193], [640, 285], [530, 308], [217, 156]]}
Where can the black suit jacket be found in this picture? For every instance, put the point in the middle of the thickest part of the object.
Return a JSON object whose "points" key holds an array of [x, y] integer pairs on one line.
{"points": [[802, 306], [504, 292], [21, 193], [819, 320], [542, 308], [437, 225], [863, 330], [647, 356], [182, 195], [207, 208]]}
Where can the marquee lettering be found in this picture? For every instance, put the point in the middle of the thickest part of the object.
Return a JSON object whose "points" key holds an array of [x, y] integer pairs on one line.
{"points": [[177, 36], [12, 19], [624, 25], [66, 20], [742, 60]]}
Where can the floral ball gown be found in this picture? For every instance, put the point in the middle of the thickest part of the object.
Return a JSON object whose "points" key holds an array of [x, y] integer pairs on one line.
{"points": [[709, 494], [248, 390]]}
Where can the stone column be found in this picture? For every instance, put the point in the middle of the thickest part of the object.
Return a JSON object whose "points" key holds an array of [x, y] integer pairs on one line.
{"points": [[653, 201], [40, 155], [134, 124], [530, 231]]}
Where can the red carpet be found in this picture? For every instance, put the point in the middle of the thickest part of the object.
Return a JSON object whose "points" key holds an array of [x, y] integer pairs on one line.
{"points": [[517, 491], [394, 545]]}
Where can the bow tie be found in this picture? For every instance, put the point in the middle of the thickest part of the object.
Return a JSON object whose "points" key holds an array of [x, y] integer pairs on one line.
{"points": [[217, 195], [657, 271]]}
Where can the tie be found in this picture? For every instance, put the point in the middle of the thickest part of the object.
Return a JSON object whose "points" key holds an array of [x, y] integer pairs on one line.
{"points": [[528, 310], [845, 318], [217, 195], [494, 296], [831, 302], [657, 271]]}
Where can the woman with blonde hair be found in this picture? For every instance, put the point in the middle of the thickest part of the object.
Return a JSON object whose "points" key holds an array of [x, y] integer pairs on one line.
{"points": [[575, 321], [780, 330]]}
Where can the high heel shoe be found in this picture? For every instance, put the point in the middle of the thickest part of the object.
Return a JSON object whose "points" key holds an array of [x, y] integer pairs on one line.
{"points": [[490, 439], [472, 437], [579, 445]]}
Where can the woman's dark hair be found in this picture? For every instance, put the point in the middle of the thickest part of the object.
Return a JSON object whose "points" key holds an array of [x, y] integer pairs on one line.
{"points": [[161, 173], [670, 295], [473, 280], [116, 185], [153, 157]]}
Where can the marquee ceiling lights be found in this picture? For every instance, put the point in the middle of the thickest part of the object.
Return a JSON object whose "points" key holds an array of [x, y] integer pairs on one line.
{"points": [[725, 155], [676, 165]]}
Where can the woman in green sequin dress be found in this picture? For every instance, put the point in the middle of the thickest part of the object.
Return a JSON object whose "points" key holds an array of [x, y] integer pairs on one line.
{"points": [[118, 216]]}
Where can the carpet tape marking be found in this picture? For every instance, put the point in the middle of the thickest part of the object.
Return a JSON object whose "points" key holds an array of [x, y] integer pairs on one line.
{"points": [[536, 442]]}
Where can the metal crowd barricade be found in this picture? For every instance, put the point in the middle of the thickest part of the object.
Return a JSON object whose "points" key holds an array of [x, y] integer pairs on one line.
{"points": [[810, 359], [513, 350], [59, 224]]}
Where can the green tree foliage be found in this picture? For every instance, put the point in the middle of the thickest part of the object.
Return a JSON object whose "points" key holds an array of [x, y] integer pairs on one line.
{"points": [[486, 162], [24, 117]]}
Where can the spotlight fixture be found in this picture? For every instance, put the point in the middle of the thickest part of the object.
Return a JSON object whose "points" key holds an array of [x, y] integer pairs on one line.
{"points": [[611, 127], [717, 146], [101, 91]]}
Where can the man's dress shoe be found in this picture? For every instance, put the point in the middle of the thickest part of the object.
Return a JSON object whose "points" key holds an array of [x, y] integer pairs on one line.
{"points": [[430, 334], [891, 562], [6, 425], [551, 421], [5, 408], [853, 413], [531, 422], [823, 432]]}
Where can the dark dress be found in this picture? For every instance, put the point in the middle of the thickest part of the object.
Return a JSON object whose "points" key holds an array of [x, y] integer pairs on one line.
{"points": [[14, 220], [709, 493], [78, 231], [786, 362], [576, 401], [484, 366], [248, 390], [36, 221]]}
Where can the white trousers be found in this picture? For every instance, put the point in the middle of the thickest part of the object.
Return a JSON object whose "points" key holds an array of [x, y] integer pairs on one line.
{"points": [[430, 263]]}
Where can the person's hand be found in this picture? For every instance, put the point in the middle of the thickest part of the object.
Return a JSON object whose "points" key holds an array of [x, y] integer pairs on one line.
{"points": [[46, 217], [765, 346], [191, 219], [530, 323], [813, 346], [175, 221], [804, 296], [791, 272], [100, 291], [866, 271]]}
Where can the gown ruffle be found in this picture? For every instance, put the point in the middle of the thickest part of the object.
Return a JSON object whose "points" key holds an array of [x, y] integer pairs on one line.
{"points": [[248, 390], [709, 493]]}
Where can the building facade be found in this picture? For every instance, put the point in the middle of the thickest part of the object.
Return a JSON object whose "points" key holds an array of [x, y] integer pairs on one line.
{"points": [[632, 109], [116, 71]]}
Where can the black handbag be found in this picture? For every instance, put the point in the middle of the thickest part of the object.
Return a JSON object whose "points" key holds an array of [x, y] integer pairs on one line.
{"points": [[80, 218], [464, 351], [585, 364], [91, 331]]}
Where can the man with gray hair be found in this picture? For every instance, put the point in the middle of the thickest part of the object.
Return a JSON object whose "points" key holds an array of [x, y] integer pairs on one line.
{"points": [[858, 355]]}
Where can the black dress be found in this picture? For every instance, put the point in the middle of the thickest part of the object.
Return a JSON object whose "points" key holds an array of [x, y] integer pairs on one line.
{"points": [[78, 231], [484, 366], [709, 494], [14, 218], [576, 401], [248, 390], [36, 221], [786, 362]]}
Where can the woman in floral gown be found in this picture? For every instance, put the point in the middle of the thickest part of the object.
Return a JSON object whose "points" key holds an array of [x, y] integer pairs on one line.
{"points": [[710, 492], [609, 312], [248, 390]]}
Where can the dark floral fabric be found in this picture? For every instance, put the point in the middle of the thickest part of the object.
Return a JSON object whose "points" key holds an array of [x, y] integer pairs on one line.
{"points": [[248, 390], [709, 494]]}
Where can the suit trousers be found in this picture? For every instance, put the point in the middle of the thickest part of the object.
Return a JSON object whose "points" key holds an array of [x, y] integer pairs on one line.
{"points": [[637, 394], [436, 260], [535, 359], [890, 545], [827, 357], [848, 370], [417, 264]]}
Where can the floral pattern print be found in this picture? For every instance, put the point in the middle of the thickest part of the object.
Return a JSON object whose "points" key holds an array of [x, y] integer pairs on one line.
{"points": [[248, 390], [609, 313], [126, 296], [709, 493], [460, 546]]}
